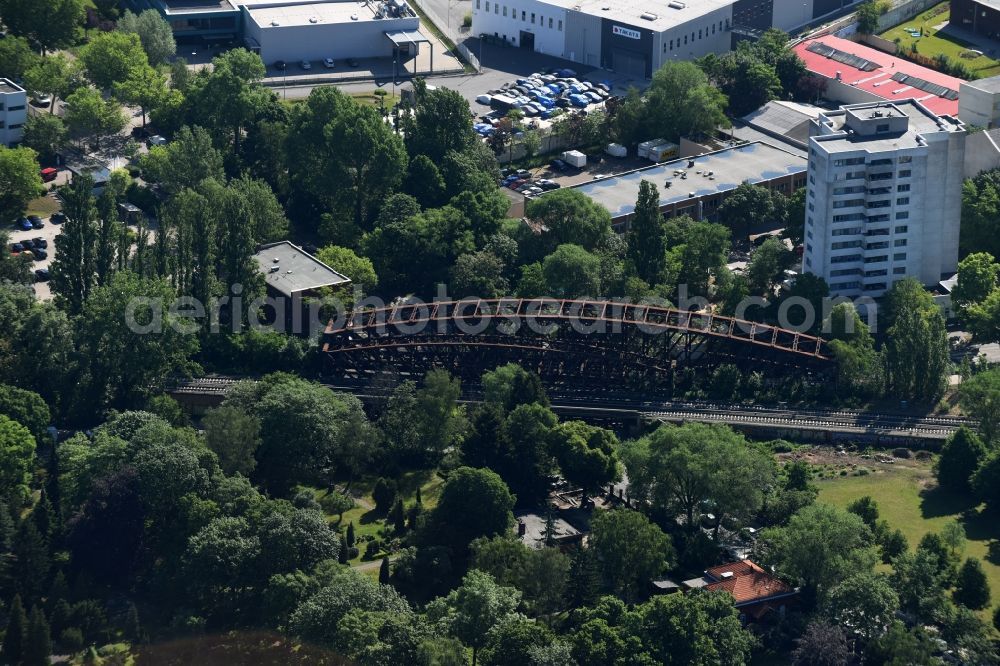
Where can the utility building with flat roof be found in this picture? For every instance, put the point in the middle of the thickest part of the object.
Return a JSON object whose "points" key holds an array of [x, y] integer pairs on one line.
{"points": [[13, 113], [698, 185]]}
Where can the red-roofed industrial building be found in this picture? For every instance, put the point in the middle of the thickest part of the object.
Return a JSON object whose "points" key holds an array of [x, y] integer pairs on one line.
{"points": [[856, 74], [755, 591]]}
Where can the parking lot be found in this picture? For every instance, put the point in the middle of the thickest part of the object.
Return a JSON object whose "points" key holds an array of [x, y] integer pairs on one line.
{"points": [[598, 166], [48, 232]]}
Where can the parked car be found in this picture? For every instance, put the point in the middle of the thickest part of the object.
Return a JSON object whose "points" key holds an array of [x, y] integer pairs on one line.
{"points": [[484, 99], [28, 244], [40, 255], [329, 63], [57, 218], [24, 224], [16, 248], [48, 174], [36, 222], [41, 100], [593, 96], [42, 275], [351, 62], [40, 242], [280, 65], [156, 140], [305, 64], [557, 165]]}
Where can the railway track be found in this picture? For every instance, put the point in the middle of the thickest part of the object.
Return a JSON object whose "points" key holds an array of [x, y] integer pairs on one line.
{"points": [[837, 421]]}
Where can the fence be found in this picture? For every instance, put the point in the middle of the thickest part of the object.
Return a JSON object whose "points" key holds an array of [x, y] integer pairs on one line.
{"points": [[453, 35], [904, 12]]}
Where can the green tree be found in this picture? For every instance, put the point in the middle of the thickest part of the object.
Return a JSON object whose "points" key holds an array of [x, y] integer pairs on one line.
{"points": [[865, 602], [961, 456], [144, 87], [900, 645], [19, 181], [478, 274], [868, 16], [17, 454], [767, 267], [440, 123], [51, 23], [570, 217], [16, 57], [647, 243], [977, 277], [821, 644], [38, 643], [986, 481], [125, 362], [90, 116], [74, 266], [384, 571], [587, 455], [27, 408], [511, 385], [983, 319], [916, 348], [234, 436], [346, 261], [54, 76], [630, 550], [572, 272], [980, 398], [110, 57], [45, 134], [473, 609], [972, 589], [17, 630], [154, 33], [820, 546], [473, 503], [681, 101], [750, 207]]}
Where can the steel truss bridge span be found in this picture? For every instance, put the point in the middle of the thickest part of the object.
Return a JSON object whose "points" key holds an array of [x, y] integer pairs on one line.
{"points": [[561, 338]]}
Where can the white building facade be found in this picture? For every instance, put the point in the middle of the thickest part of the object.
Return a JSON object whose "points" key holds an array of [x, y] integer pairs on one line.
{"points": [[629, 37], [13, 113], [884, 194]]}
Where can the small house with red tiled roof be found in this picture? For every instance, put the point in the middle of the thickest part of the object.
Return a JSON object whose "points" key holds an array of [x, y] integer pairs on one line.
{"points": [[755, 591]]}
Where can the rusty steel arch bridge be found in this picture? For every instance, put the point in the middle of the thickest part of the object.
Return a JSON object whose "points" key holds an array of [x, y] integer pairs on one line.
{"points": [[563, 340]]}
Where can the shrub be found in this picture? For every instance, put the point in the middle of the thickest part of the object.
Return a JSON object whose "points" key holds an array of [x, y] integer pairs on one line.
{"points": [[372, 549], [71, 640], [353, 552], [467, 20]]}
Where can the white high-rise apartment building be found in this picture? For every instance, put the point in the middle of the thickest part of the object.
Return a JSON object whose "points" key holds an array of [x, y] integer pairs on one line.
{"points": [[884, 196], [13, 113]]}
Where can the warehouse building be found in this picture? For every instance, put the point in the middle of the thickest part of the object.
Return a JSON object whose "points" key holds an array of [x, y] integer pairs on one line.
{"points": [[698, 185], [313, 31], [630, 37], [979, 16], [295, 30]]}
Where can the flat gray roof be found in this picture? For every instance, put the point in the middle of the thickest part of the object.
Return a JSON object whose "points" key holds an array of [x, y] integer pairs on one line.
{"points": [[534, 529], [990, 85], [8, 86], [406, 37], [633, 12], [311, 14], [297, 270], [784, 119], [753, 162], [920, 121]]}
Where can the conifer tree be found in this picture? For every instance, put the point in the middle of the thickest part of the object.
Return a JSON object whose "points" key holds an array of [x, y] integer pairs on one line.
{"points": [[17, 629], [384, 572], [38, 644]]}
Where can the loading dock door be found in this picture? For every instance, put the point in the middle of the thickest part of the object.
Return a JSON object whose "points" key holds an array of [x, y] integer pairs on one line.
{"points": [[629, 63], [527, 40]]}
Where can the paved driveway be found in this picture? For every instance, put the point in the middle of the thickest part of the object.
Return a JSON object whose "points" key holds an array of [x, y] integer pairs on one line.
{"points": [[49, 233]]}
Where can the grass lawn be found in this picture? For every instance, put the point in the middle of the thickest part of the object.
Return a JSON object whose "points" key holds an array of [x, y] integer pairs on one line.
{"points": [[368, 523], [933, 42], [43, 206], [908, 497]]}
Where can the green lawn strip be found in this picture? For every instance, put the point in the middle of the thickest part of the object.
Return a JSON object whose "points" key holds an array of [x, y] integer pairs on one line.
{"points": [[43, 206], [934, 42], [367, 522], [909, 500]]}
